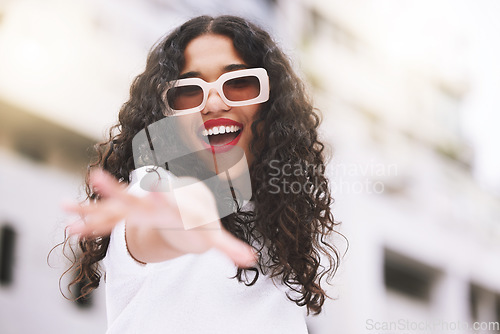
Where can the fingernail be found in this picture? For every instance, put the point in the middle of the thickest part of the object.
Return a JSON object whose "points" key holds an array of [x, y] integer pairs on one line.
{"points": [[253, 258], [67, 205], [75, 229]]}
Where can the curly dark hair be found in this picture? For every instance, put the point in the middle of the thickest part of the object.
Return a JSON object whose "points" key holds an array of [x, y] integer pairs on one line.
{"points": [[294, 228]]}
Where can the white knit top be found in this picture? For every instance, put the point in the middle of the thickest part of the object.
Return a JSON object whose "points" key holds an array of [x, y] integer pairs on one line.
{"points": [[194, 293]]}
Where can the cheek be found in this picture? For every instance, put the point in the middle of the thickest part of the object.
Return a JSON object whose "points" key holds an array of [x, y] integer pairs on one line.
{"points": [[186, 130], [247, 145], [253, 113], [250, 115]]}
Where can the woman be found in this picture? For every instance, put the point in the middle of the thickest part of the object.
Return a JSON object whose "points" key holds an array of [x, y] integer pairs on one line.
{"points": [[163, 278]]}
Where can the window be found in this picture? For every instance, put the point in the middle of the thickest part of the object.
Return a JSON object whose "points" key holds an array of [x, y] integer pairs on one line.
{"points": [[473, 302], [497, 309], [408, 277], [82, 302], [7, 244], [485, 307]]}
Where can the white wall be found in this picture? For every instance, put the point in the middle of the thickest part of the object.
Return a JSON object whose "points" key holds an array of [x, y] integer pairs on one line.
{"points": [[30, 198]]}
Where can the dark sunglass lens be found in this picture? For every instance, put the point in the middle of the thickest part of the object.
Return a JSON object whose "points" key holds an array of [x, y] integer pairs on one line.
{"points": [[185, 97], [241, 88]]}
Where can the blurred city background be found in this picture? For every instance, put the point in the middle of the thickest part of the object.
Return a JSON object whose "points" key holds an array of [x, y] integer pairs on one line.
{"points": [[409, 93]]}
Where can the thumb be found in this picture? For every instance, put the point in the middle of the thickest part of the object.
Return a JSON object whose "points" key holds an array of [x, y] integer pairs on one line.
{"points": [[242, 254]]}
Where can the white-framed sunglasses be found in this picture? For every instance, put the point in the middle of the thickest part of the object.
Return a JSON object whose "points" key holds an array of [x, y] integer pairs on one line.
{"points": [[235, 88]]}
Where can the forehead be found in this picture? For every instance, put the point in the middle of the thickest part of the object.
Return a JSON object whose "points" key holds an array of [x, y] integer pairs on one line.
{"points": [[209, 53]]}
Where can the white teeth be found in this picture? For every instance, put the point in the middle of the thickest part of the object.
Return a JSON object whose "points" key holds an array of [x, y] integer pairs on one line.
{"points": [[220, 130]]}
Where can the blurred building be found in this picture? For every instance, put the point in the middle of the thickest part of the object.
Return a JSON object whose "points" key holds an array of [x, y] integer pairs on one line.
{"points": [[424, 238], [41, 164]]}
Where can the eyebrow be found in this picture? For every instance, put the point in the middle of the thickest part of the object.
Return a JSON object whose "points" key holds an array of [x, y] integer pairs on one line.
{"points": [[227, 68], [234, 67]]}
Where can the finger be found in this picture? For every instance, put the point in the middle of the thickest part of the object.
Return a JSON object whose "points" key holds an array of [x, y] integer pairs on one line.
{"points": [[79, 228], [105, 184], [242, 254], [79, 209], [85, 228], [71, 207], [100, 220]]}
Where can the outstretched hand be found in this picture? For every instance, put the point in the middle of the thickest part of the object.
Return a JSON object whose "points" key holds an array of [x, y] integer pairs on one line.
{"points": [[158, 213]]}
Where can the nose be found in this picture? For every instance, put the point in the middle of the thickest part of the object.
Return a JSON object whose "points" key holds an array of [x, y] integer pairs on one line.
{"points": [[214, 103]]}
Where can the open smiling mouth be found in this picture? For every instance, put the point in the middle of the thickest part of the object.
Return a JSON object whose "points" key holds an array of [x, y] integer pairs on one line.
{"points": [[220, 135]]}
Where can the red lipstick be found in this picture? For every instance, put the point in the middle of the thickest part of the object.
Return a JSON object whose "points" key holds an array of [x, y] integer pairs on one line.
{"points": [[217, 122]]}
